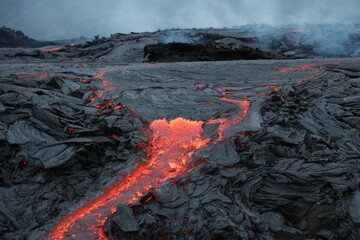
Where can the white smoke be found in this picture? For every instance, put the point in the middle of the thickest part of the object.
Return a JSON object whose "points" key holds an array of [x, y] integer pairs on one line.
{"points": [[54, 19]]}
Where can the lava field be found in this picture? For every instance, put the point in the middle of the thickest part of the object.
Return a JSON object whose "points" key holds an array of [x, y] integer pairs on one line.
{"points": [[242, 133]]}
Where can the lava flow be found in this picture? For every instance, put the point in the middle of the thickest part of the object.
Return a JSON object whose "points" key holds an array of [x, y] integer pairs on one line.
{"points": [[171, 144], [108, 86], [307, 66], [54, 49], [106, 83], [44, 75], [225, 123]]}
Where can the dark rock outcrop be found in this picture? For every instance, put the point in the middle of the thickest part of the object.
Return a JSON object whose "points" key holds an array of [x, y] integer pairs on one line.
{"points": [[12, 38], [178, 52]]}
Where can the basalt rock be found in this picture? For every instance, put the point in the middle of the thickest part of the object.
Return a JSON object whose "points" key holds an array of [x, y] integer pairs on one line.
{"points": [[175, 52]]}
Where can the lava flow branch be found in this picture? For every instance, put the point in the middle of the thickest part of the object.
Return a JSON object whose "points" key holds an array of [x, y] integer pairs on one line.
{"points": [[226, 123], [314, 66], [171, 144]]}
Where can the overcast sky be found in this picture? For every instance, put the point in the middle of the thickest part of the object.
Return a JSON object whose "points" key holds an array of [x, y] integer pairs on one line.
{"points": [[57, 19]]}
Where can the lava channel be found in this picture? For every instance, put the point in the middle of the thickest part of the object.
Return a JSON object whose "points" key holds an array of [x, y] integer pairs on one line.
{"points": [[54, 49], [306, 67], [171, 144], [226, 123]]}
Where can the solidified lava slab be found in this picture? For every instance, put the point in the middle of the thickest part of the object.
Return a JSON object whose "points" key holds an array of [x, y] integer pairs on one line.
{"points": [[179, 52]]}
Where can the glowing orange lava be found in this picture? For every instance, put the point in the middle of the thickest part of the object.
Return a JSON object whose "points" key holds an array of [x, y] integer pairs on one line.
{"points": [[71, 129], [107, 84], [171, 144], [100, 75], [44, 75], [307, 66], [225, 123], [54, 49], [200, 86]]}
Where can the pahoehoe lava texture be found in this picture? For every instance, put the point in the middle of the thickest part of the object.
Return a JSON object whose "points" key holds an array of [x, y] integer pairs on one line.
{"points": [[54, 146], [296, 178]]}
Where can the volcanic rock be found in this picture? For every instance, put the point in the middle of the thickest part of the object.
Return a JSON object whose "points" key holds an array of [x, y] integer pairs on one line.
{"points": [[174, 52]]}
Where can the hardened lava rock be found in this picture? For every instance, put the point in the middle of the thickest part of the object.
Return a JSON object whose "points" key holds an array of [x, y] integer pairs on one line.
{"points": [[55, 146], [174, 52]]}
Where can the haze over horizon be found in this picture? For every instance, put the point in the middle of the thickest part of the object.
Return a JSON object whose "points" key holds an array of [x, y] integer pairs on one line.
{"points": [[51, 19]]}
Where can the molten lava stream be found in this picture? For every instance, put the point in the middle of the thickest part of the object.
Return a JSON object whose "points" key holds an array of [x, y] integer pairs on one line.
{"points": [[171, 144], [307, 66], [54, 49], [41, 76], [225, 123]]}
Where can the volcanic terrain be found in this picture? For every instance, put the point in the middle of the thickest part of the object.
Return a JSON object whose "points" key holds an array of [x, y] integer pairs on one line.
{"points": [[241, 133]]}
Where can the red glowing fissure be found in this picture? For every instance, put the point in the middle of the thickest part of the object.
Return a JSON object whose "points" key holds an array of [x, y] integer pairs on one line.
{"points": [[225, 123], [307, 66], [108, 86], [54, 49], [171, 144], [44, 75]]}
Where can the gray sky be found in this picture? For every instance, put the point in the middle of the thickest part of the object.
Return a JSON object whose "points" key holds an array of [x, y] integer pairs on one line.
{"points": [[57, 19]]}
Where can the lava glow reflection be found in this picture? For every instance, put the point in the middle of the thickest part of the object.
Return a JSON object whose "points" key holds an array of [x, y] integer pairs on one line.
{"points": [[170, 145]]}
